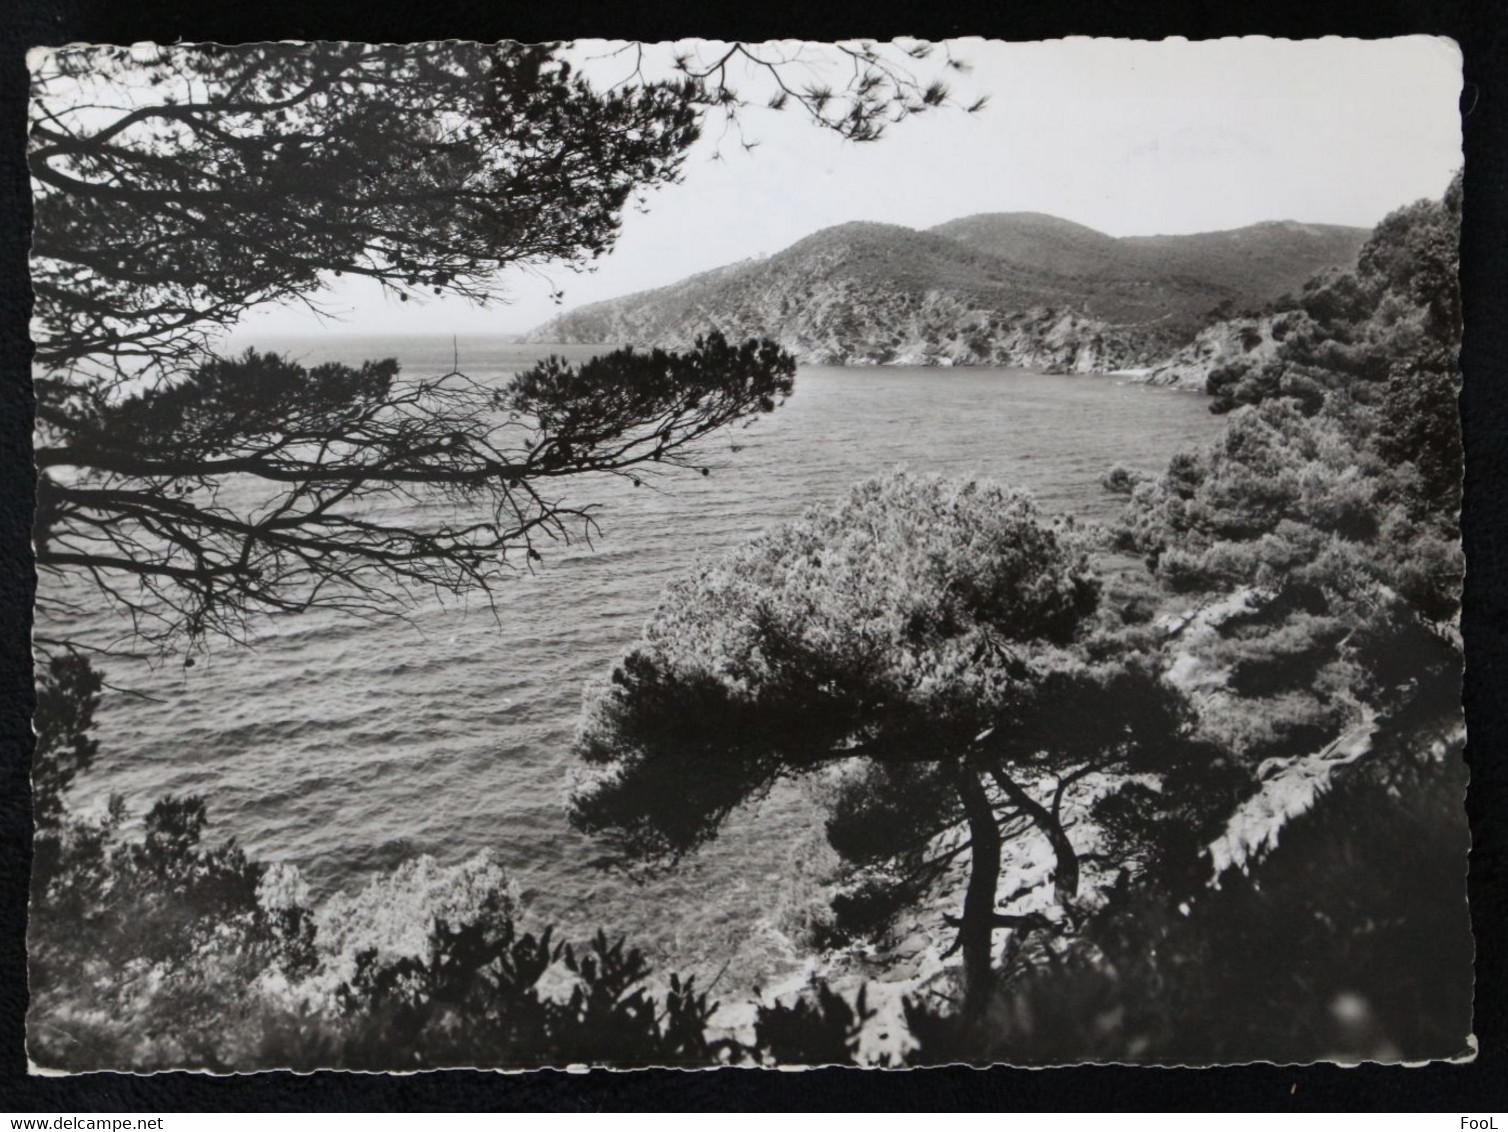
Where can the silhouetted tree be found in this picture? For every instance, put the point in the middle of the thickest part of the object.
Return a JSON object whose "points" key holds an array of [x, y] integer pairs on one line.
{"points": [[933, 639], [259, 485], [176, 188]]}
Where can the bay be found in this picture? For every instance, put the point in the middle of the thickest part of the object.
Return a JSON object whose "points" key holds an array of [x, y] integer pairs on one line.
{"points": [[348, 746]]}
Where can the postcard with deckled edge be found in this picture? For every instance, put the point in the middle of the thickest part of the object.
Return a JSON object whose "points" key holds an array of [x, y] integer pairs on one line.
{"points": [[747, 554]]}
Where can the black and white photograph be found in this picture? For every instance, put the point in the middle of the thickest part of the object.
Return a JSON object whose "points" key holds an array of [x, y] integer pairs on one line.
{"points": [[747, 554]]}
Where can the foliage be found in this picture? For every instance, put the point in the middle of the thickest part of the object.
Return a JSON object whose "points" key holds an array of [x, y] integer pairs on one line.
{"points": [[1384, 335], [68, 693], [939, 659], [1121, 480], [140, 948], [206, 970], [1288, 500], [476, 999], [1311, 571], [251, 174], [937, 641], [1310, 578], [160, 951], [157, 950], [1399, 306], [882, 89], [245, 174], [260, 485], [819, 1028], [1339, 947], [1323, 569], [178, 187], [884, 624]]}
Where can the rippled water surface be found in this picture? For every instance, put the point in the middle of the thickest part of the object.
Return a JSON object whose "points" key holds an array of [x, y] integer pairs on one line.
{"points": [[347, 746]]}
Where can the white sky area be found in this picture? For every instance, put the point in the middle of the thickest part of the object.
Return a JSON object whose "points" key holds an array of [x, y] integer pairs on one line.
{"points": [[1131, 138]]}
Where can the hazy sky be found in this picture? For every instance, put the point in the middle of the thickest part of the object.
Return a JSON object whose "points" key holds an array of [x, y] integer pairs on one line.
{"points": [[1132, 138]]}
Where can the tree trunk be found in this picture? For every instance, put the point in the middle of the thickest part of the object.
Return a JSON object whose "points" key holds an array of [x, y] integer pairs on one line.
{"points": [[977, 929], [1066, 870]]}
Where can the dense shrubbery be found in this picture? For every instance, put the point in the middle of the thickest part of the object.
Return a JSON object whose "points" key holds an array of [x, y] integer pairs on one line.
{"points": [[160, 952], [154, 950], [1282, 500], [68, 690], [1314, 549], [1330, 504], [1350, 942], [1383, 336]]}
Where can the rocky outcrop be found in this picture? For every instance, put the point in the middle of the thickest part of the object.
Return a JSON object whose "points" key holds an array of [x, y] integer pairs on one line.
{"points": [[845, 325], [1214, 346]]}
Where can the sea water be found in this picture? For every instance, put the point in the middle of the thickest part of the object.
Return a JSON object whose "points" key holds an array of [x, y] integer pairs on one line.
{"points": [[348, 746]]}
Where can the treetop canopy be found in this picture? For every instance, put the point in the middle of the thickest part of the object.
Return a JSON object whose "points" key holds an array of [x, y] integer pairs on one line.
{"points": [[895, 624], [176, 187]]}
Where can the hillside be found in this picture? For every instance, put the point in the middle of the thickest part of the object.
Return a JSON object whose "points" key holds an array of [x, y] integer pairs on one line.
{"points": [[1003, 288], [1188, 275]]}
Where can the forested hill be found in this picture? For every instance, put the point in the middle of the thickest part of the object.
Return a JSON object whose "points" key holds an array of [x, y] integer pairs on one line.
{"points": [[1000, 288]]}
